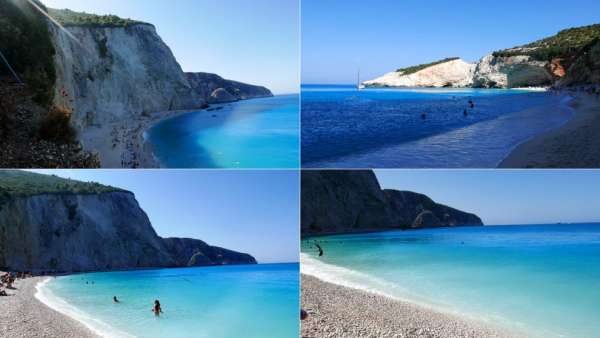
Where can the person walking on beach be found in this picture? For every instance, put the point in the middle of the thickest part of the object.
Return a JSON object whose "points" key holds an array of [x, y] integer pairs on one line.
{"points": [[157, 309]]}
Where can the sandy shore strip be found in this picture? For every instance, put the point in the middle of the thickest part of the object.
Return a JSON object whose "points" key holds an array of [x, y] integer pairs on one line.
{"points": [[121, 144], [23, 315], [337, 311], [574, 145]]}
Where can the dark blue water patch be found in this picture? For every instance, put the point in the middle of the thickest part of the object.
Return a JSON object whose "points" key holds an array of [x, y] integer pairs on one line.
{"points": [[339, 121]]}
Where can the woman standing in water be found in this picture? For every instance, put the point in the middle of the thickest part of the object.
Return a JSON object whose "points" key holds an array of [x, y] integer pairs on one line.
{"points": [[157, 309]]}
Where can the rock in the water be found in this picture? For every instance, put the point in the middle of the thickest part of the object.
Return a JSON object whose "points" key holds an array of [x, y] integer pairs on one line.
{"points": [[351, 200]]}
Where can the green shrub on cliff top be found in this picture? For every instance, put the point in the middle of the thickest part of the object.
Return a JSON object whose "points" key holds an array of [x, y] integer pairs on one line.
{"points": [[26, 43], [23, 183], [414, 69], [565, 43], [67, 17]]}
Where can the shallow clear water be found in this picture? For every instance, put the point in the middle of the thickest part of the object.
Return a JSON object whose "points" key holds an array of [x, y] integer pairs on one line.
{"points": [[540, 279], [257, 133], [216, 302], [383, 128]]}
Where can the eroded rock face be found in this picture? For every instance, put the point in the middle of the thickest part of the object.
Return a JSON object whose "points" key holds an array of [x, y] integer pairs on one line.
{"points": [[215, 89], [352, 201], [106, 231], [108, 74], [511, 72], [455, 73]]}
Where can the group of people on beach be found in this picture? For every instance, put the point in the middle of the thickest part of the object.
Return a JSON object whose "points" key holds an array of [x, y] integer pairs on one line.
{"points": [[8, 279]]}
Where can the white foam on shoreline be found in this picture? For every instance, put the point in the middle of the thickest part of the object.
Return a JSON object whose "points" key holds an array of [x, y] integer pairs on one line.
{"points": [[363, 282], [355, 280], [44, 295]]}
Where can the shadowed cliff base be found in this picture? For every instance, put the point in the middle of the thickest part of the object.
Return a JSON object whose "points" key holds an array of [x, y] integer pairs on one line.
{"points": [[345, 201]]}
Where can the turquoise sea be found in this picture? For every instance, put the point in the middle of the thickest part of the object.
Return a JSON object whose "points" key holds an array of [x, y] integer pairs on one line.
{"points": [[383, 128], [214, 302], [543, 280], [257, 133]]}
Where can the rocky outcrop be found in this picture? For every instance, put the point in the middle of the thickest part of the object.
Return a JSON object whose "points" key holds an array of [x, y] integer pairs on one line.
{"points": [[512, 72], [454, 73], [90, 232], [194, 252], [215, 89], [352, 201]]}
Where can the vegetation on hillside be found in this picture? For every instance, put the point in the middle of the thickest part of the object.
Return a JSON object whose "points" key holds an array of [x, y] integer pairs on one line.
{"points": [[68, 17], [565, 43], [414, 69], [23, 183], [26, 43]]}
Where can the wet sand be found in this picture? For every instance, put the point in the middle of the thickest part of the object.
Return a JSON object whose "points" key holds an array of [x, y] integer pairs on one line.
{"points": [[337, 311], [574, 145]]}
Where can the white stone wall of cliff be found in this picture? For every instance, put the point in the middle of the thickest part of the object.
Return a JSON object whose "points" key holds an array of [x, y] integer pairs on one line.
{"points": [[511, 72], [113, 73]]}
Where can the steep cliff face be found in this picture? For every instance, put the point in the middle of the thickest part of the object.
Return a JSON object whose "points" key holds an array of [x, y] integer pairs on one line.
{"points": [[512, 72], [106, 74], [46, 226], [215, 89], [350, 201], [454, 73], [66, 232]]}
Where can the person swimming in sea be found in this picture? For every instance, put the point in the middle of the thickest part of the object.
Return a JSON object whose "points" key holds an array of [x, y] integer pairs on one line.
{"points": [[471, 104], [157, 309], [423, 116], [465, 112], [320, 249], [115, 299]]}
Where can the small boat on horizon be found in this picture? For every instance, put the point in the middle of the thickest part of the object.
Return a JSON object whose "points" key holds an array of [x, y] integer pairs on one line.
{"points": [[359, 85]]}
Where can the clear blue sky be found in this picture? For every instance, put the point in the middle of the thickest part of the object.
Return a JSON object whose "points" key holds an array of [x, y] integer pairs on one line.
{"points": [[253, 41], [383, 35], [507, 196], [250, 211]]}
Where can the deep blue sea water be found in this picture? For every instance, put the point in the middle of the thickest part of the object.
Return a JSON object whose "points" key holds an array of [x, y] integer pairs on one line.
{"points": [[214, 302], [257, 133], [543, 280], [383, 128]]}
